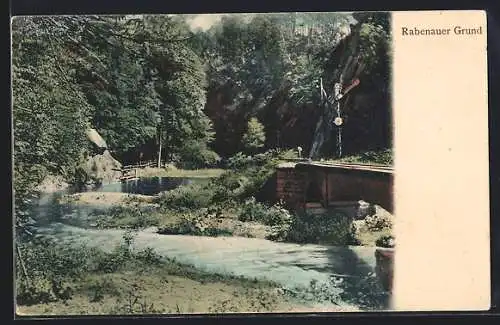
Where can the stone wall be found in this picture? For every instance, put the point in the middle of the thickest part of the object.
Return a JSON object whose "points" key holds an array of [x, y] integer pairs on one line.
{"points": [[385, 267], [290, 186], [349, 185], [330, 186]]}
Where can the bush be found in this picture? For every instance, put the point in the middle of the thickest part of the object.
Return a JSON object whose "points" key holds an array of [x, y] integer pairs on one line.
{"points": [[131, 215], [239, 161], [52, 267], [195, 226], [386, 241], [195, 154], [255, 136], [331, 229], [97, 289], [384, 157], [246, 179], [148, 256], [184, 198], [275, 215], [378, 222], [48, 268]]}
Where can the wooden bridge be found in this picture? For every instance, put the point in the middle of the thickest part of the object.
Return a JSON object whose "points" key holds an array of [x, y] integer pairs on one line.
{"points": [[130, 172]]}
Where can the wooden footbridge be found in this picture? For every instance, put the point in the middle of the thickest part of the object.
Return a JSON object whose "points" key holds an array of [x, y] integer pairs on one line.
{"points": [[131, 172]]}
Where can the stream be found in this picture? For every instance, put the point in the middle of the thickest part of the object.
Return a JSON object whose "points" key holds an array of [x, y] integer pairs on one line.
{"points": [[291, 265]]}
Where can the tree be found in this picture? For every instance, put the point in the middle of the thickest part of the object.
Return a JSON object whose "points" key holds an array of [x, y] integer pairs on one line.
{"points": [[255, 136], [50, 113]]}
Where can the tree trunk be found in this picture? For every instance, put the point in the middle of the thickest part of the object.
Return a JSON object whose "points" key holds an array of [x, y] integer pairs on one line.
{"points": [[159, 153]]}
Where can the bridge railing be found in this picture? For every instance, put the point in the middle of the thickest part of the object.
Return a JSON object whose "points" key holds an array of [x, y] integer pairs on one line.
{"points": [[141, 165]]}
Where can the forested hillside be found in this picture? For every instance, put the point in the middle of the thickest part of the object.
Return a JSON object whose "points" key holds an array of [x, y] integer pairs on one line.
{"points": [[218, 103], [138, 79]]}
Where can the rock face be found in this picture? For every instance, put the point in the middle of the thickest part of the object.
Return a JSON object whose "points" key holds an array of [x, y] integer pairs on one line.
{"points": [[96, 139], [103, 167], [52, 184]]}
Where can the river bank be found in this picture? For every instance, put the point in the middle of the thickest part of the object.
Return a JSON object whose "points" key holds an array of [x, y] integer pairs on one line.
{"points": [[304, 271], [228, 238], [126, 280]]}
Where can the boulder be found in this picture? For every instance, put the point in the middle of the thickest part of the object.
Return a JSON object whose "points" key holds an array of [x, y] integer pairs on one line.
{"points": [[96, 139], [103, 168]]}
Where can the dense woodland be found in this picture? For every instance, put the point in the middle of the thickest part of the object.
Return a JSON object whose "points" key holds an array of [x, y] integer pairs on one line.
{"points": [[233, 96], [247, 84]]}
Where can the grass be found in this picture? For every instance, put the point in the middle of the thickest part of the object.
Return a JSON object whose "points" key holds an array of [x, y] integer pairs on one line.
{"points": [[384, 158], [165, 289], [105, 198], [171, 171], [130, 282]]}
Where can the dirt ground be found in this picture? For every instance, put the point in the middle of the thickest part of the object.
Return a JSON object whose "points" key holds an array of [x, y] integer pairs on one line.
{"points": [[167, 294], [105, 198]]}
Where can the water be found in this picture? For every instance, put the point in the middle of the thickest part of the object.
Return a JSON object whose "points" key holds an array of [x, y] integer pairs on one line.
{"points": [[149, 185], [292, 265], [48, 210]]}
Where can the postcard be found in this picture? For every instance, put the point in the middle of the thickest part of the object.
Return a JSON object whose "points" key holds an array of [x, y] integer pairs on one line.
{"points": [[250, 163]]}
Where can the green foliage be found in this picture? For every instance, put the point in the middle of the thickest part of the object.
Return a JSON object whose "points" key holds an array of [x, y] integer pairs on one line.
{"points": [[254, 137], [194, 226], [383, 157], [377, 222], [51, 266], [48, 268], [185, 198], [50, 114], [269, 66], [128, 216], [196, 155], [275, 215], [325, 228], [386, 241], [239, 161]]}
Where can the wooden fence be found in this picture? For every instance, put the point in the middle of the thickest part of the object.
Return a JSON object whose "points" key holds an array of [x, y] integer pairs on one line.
{"points": [[130, 172]]}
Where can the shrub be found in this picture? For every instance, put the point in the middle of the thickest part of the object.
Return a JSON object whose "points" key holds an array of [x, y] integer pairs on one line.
{"points": [[239, 161], [51, 267], [195, 154], [183, 198], [245, 180], [333, 229], [148, 256], [195, 226], [255, 136], [131, 215], [48, 267], [377, 223], [386, 241], [97, 289], [275, 215]]}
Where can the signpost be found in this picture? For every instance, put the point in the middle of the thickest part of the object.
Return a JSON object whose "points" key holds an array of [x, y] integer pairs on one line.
{"points": [[339, 93]]}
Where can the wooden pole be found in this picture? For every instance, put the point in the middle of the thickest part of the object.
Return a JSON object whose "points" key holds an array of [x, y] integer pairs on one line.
{"points": [[23, 267], [159, 151]]}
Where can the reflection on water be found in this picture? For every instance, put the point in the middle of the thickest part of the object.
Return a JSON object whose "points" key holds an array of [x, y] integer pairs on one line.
{"points": [[49, 210], [149, 185]]}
